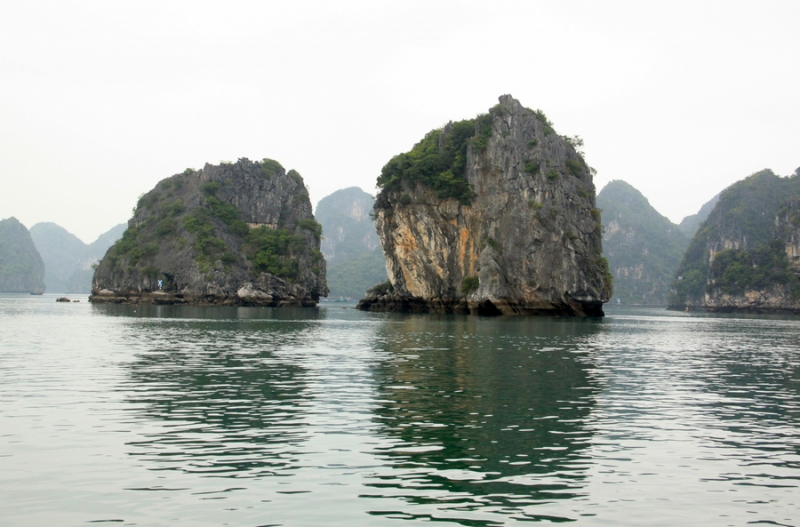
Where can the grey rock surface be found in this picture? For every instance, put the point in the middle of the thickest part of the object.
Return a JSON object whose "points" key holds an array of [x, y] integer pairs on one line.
{"points": [[219, 235], [531, 235]]}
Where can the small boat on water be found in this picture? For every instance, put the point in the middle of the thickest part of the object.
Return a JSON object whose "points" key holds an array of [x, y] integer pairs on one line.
{"points": [[37, 292]]}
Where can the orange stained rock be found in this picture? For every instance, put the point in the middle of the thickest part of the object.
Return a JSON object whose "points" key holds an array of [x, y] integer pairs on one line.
{"points": [[463, 238], [406, 241]]}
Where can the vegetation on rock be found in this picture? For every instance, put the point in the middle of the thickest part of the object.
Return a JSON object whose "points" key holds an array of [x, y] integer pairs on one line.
{"points": [[491, 215], [735, 250], [736, 271], [439, 160], [220, 229]]}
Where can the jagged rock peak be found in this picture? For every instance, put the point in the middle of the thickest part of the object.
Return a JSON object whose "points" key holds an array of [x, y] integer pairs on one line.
{"points": [[236, 233], [491, 215]]}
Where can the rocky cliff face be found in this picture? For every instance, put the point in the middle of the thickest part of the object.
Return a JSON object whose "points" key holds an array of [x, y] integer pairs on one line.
{"points": [[743, 257], [643, 247], [21, 266], [236, 234], [494, 215]]}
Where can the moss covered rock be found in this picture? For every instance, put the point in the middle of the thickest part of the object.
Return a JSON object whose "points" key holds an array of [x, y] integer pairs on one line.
{"points": [[236, 233]]}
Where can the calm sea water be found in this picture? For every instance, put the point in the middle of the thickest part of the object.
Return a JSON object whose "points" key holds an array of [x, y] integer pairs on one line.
{"points": [[251, 417]]}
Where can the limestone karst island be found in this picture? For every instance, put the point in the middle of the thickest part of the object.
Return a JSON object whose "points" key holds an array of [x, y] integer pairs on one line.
{"points": [[235, 234], [492, 215], [495, 215]]}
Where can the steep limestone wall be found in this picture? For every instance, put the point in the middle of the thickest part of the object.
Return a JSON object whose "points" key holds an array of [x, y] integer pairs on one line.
{"points": [[527, 241]]}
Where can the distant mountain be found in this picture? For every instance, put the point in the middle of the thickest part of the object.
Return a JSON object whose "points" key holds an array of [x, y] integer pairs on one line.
{"points": [[349, 243], [21, 266], [98, 248], [690, 224], [353, 277], [68, 261], [746, 255], [643, 248]]}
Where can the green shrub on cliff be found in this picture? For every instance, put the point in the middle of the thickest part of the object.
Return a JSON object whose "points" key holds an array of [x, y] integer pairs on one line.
{"points": [[532, 166], [166, 227], [272, 251], [310, 224], [738, 271], [575, 167], [127, 246], [210, 188], [269, 168], [469, 284], [439, 160], [548, 126]]}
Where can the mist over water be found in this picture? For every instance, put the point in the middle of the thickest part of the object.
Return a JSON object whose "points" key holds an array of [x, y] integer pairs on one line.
{"points": [[164, 415]]}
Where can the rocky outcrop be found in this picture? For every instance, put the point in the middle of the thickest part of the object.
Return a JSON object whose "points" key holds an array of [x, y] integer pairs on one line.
{"points": [[21, 266], [744, 256], [235, 234], [494, 215], [643, 247]]}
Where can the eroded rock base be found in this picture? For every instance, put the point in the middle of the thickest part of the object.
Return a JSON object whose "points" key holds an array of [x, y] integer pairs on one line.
{"points": [[160, 298], [392, 302]]}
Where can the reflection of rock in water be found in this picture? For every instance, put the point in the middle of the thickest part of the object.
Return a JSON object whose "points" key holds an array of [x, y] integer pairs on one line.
{"points": [[230, 404], [501, 404]]}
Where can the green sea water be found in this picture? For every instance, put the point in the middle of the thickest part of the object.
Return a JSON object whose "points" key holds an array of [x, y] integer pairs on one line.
{"points": [[162, 415]]}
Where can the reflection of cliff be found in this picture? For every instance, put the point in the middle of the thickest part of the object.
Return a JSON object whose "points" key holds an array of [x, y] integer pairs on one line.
{"points": [[229, 402], [501, 404]]}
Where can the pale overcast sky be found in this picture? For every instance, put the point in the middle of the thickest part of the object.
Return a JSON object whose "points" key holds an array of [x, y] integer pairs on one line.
{"points": [[100, 100]]}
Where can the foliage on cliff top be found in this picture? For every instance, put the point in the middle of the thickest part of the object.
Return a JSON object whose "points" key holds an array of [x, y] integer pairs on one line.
{"points": [[745, 213], [440, 159]]}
